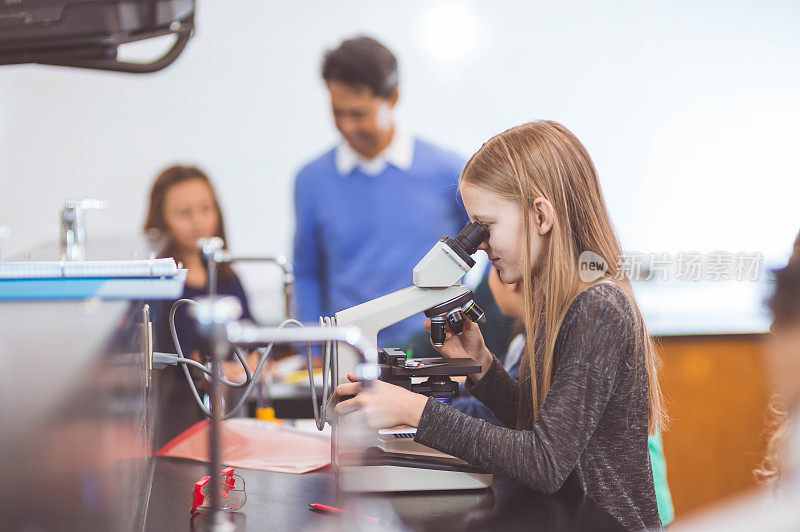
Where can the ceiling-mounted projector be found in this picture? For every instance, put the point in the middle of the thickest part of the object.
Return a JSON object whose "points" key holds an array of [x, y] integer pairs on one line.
{"points": [[86, 33]]}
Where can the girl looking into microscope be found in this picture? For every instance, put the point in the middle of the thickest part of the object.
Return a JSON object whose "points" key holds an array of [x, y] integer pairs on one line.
{"points": [[588, 394]]}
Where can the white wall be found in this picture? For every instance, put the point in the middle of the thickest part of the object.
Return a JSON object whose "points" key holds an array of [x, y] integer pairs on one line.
{"points": [[691, 111]]}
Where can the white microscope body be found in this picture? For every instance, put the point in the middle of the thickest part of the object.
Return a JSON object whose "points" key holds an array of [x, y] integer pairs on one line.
{"points": [[402, 464], [437, 279]]}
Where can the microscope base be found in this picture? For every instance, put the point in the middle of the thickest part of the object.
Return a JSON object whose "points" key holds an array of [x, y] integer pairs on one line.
{"points": [[388, 478], [404, 465]]}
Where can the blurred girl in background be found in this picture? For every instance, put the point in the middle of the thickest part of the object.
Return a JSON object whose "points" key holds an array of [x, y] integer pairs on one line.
{"points": [[184, 208]]}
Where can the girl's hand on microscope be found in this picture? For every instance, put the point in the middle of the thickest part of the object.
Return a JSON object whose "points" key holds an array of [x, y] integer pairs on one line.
{"points": [[384, 405], [468, 344]]}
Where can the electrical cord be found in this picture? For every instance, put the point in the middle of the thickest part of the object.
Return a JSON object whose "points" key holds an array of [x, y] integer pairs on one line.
{"points": [[181, 356], [249, 381], [320, 411]]}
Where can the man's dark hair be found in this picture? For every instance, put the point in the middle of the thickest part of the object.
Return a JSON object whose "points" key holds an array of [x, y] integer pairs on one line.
{"points": [[362, 61]]}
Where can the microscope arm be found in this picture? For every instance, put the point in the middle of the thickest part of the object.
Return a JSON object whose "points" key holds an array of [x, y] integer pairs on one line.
{"points": [[436, 281], [377, 314], [374, 316]]}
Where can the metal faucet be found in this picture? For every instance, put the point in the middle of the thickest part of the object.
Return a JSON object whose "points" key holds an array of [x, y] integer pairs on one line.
{"points": [[213, 254], [73, 228]]}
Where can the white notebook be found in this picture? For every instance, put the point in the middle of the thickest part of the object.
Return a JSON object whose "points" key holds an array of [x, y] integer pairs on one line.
{"points": [[89, 269]]}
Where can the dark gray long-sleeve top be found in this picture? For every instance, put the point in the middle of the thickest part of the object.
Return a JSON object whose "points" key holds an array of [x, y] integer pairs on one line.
{"points": [[593, 424]]}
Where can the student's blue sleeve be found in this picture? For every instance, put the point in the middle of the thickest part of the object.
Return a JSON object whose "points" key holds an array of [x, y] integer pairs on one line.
{"points": [[306, 262]]}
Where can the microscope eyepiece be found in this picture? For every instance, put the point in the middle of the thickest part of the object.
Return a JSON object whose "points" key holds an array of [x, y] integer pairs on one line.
{"points": [[471, 237], [467, 241]]}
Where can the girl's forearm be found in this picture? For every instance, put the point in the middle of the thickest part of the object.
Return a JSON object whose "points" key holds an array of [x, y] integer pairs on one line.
{"points": [[414, 409], [484, 358]]}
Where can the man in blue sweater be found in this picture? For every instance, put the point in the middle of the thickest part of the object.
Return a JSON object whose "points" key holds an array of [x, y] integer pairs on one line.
{"points": [[369, 209]]}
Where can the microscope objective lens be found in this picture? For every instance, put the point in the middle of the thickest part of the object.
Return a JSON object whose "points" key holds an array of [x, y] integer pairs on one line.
{"points": [[438, 330], [455, 319]]}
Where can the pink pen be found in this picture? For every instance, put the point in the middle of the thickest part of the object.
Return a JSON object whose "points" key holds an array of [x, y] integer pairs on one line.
{"points": [[332, 510]]}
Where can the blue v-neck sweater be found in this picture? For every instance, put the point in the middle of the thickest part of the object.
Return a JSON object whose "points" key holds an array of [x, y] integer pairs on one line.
{"points": [[358, 237]]}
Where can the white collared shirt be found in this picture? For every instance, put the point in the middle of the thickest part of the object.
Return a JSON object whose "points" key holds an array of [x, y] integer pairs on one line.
{"points": [[399, 153]]}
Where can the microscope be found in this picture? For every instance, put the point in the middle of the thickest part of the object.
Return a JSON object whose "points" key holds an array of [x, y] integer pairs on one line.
{"points": [[366, 460], [393, 461]]}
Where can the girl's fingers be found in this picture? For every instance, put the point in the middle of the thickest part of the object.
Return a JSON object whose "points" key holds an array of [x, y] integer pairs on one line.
{"points": [[352, 377], [346, 406], [427, 325], [348, 388]]}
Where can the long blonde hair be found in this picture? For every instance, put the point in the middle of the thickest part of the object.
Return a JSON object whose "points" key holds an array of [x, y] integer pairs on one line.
{"points": [[544, 159]]}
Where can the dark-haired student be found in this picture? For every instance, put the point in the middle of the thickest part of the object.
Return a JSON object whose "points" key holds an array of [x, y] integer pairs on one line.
{"points": [[184, 208], [368, 209]]}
